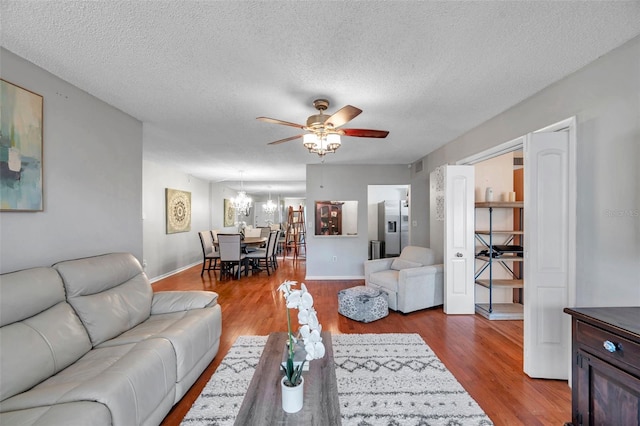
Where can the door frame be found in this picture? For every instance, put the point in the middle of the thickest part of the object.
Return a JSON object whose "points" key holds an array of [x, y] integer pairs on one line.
{"points": [[567, 125]]}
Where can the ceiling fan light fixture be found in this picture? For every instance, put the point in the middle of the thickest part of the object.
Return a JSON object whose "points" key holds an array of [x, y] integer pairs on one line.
{"points": [[321, 144]]}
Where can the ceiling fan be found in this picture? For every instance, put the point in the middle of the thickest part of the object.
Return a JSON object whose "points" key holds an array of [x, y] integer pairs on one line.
{"points": [[324, 130]]}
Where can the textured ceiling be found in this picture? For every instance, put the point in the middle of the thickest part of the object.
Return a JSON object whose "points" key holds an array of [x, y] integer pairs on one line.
{"points": [[198, 73]]}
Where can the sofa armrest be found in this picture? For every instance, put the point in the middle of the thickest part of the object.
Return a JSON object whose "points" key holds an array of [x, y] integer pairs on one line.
{"points": [[420, 288], [376, 265], [165, 302]]}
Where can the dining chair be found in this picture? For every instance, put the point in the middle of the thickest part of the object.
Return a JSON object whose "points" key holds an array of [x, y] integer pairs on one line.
{"points": [[252, 232], [276, 242], [209, 252], [231, 255], [264, 257], [264, 233]]}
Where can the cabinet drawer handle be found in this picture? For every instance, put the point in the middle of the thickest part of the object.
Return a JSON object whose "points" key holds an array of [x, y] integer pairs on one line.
{"points": [[610, 346]]}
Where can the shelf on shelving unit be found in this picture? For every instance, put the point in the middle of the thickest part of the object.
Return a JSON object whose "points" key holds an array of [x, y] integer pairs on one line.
{"points": [[501, 311]]}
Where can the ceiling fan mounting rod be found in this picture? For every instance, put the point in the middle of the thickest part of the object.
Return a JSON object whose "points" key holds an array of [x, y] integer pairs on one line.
{"points": [[321, 104]]}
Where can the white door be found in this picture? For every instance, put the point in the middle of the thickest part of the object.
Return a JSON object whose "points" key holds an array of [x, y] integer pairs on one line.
{"points": [[459, 247], [546, 270]]}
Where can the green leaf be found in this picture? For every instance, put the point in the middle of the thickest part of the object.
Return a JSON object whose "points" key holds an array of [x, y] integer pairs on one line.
{"points": [[290, 370]]}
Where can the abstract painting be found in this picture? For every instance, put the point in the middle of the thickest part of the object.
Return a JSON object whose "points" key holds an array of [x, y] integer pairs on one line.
{"points": [[20, 149], [178, 211]]}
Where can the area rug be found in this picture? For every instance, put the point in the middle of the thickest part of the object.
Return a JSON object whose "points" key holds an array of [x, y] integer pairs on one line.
{"points": [[383, 379]]}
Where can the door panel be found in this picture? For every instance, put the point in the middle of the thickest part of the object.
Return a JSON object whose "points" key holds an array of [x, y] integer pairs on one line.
{"points": [[459, 295], [546, 207]]}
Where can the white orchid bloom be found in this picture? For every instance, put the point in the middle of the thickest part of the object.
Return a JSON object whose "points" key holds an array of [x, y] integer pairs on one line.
{"points": [[304, 332], [285, 287], [313, 320], [306, 301], [314, 337], [314, 350], [303, 316], [293, 299], [307, 318]]}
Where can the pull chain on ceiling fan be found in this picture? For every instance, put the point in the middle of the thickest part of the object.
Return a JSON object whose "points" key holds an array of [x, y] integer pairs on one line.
{"points": [[324, 134]]}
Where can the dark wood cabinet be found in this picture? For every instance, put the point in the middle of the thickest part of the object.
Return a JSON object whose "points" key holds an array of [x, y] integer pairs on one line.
{"points": [[606, 366], [328, 218]]}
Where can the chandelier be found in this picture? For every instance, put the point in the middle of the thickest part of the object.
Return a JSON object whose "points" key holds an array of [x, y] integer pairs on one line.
{"points": [[241, 203], [321, 143], [269, 207]]}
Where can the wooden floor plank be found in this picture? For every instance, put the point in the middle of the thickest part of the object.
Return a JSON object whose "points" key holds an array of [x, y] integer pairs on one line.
{"points": [[485, 356]]}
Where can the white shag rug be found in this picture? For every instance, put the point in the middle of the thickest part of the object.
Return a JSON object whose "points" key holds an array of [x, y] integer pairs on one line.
{"points": [[383, 379]]}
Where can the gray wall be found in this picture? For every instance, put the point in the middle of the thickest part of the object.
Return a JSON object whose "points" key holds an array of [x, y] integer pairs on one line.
{"points": [[344, 183], [92, 177], [605, 98], [167, 253]]}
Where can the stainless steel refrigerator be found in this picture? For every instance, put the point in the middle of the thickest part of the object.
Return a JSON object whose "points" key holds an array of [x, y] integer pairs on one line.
{"points": [[389, 227], [404, 224]]}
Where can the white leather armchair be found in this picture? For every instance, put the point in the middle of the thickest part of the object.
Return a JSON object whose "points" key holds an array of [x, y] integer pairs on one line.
{"points": [[411, 281]]}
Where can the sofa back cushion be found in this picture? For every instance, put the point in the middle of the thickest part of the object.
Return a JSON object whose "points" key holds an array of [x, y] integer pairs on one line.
{"points": [[110, 293], [40, 334], [399, 264], [421, 255]]}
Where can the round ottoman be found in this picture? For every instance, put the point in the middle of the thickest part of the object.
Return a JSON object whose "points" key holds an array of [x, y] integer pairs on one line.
{"points": [[363, 303]]}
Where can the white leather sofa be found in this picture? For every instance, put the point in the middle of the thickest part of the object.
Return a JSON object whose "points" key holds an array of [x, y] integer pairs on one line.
{"points": [[411, 281], [87, 342]]}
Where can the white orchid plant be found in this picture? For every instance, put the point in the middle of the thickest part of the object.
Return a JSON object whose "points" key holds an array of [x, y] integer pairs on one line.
{"points": [[309, 331]]}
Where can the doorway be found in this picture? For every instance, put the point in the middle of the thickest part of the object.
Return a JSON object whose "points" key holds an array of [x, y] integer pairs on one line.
{"points": [[550, 214], [388, 219], [499, 264]]}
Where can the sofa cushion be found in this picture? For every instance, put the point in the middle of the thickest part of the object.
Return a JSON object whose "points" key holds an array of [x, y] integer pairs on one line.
{"points": [[191, 334], [421, 255], [84, 413], [110, 293], [41, 334], [399, 264], [387, 279], [133, 381]]}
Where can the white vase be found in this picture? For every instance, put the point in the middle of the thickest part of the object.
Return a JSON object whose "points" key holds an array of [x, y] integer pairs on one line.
{"points": [[488, 195], [292, 397]]}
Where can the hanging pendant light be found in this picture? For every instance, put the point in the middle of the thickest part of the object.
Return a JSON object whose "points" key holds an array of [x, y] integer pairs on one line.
{"points": [[242, 203], [269, 207]]}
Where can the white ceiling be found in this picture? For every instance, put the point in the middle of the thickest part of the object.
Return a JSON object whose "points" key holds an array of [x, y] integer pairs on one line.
{"points": [[198, 73]]}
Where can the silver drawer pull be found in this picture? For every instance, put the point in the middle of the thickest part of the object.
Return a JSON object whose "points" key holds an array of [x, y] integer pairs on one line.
{"points": [[610, 346]]}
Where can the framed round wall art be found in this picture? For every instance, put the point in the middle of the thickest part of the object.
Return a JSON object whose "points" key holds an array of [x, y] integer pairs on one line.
{"points": [[178, 211]]}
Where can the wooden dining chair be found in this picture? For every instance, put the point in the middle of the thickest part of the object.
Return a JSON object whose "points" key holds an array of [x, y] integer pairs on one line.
{"points": [[264, 257], [231, 255], [209, 253]]}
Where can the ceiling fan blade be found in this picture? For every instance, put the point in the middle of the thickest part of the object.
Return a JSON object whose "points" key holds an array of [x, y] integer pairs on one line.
{"points": [[285, 140], [276, 121], [343, 116], [365, 133]]}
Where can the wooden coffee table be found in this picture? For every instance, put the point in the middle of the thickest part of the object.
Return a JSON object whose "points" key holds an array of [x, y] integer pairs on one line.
{"points": [[262, 405]]}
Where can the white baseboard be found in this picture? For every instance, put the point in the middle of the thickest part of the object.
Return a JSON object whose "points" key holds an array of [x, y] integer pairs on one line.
{"points": [[168, 274], [333, 278]]}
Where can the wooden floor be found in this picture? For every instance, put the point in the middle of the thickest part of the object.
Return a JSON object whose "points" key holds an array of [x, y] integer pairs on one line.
{"points": [[485, 356]]}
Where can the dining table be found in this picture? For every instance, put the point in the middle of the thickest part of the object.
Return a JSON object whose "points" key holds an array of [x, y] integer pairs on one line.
{"points": [[253, 241], [249, 242]]}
